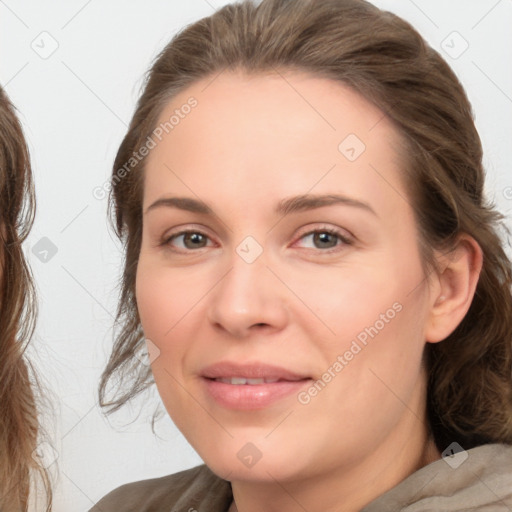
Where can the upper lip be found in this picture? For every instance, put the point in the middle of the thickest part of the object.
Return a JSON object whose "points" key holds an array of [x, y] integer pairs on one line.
{"points": [[226, 369]]}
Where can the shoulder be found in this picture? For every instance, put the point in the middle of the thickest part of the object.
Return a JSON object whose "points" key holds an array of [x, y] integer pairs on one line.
{"points": [[479, 479], [192, 489]]}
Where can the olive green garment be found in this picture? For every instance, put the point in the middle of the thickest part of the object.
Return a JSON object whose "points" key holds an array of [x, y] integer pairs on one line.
{"points": [[481, 482]]}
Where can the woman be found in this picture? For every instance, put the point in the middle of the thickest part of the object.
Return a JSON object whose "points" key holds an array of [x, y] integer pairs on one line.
{"points": [[324, 297], [19, 466]]}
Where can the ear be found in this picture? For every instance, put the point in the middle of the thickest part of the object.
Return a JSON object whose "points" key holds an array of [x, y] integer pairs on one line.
{"points": [[452, 288]]}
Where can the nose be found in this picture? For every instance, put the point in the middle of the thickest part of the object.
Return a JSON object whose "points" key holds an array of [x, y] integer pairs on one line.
{"points": [[248, 299]]}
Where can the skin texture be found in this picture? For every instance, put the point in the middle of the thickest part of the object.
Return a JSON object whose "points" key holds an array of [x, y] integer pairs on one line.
{"points": [[251, 142]]}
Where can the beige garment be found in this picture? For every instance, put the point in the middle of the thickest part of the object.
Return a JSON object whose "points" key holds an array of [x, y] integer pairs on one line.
{"points": [[482, 482]]}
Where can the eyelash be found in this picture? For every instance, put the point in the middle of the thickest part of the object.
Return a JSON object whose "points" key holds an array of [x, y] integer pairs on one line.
{"points": [[331, 231], [166, 242]]}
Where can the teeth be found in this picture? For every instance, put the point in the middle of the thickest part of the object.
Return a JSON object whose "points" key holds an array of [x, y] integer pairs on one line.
{"points": [[238, 381]]}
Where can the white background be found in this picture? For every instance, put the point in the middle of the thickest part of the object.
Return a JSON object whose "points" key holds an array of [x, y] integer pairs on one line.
{"points": [[75, 106]]}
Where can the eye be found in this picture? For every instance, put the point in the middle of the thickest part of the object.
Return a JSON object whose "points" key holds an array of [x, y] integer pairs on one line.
{"points": [[186, 240], [325, 238]]}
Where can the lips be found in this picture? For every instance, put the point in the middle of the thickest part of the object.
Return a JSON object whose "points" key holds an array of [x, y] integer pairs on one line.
{"points": [[248, 372], [250, 386]]}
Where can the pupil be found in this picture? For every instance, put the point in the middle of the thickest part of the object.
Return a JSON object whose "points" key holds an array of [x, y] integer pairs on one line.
{"points": [[194, 240], [323, 240]]}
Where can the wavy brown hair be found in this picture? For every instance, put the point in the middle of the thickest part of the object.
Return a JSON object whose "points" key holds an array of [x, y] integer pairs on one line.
{"points": [[383, 58], [19, 426]]}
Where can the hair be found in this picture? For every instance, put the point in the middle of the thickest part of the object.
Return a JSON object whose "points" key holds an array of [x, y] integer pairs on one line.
{"points": [[19, 427], [381, 56]]}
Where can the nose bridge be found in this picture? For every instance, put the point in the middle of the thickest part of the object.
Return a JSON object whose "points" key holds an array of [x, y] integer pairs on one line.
{"points": [[244, 285], [247, 295]]}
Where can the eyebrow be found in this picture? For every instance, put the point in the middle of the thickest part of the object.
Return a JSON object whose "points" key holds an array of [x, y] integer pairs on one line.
{"points": [[310, 202], [183, 203], [286, 206]]}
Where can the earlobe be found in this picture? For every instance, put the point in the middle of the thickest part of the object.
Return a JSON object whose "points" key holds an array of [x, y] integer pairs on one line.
{"points": [[455, 289]]}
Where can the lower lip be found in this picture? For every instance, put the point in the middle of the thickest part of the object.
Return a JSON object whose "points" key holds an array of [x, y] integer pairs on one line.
{"points": [[248, 396]]}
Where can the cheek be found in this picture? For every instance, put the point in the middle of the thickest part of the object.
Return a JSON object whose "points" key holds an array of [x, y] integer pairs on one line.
{"points": [[171, 304], [351, 300], [164, 297], [372, 368], [163, 302], [152, 300], [381, 351], [376, 314]]}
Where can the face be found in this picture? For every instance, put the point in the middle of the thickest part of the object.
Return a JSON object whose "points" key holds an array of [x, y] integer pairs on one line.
{"points": [[279, 246]]}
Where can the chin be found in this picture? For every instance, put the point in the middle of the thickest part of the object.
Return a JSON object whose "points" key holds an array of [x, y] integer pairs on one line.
{"points": [[268, 471], [256, 462]]}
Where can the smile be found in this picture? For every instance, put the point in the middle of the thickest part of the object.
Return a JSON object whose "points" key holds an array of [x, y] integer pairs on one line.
{"points": [[238, 381]]}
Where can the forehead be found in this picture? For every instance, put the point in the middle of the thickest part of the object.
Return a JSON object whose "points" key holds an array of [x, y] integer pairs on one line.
{"points": [[281, 99], [283, 130]]}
